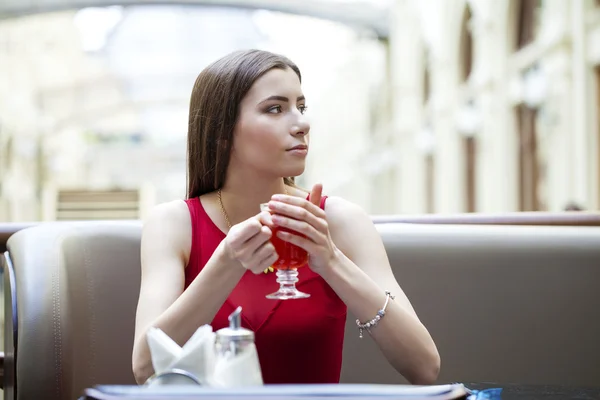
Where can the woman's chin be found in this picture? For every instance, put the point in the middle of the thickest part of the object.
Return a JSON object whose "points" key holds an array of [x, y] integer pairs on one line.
{"points": [[293, 171]]}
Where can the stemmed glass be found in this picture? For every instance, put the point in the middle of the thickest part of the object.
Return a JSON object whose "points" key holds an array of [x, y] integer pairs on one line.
{"points": [[291, 257]]}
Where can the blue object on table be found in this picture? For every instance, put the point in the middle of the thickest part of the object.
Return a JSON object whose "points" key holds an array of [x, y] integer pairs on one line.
{"points": [[485, 394]]}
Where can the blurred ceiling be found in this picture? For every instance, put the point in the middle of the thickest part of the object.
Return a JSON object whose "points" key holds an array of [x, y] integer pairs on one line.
{"points": [[125, 67], [362, 14]]}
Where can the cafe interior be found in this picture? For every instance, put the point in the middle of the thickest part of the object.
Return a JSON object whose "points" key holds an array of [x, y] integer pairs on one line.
{"points": [[467, 130]]}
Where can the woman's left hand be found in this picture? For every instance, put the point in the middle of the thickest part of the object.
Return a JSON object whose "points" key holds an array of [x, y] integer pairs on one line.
{"points": [[307, 219]]}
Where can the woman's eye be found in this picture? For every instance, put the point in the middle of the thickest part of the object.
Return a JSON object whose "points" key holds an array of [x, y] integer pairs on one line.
{"points": [[274, 110], [302, 109]]}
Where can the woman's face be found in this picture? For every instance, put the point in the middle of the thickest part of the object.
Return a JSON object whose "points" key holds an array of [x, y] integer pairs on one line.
{"points": [[270, 136]]}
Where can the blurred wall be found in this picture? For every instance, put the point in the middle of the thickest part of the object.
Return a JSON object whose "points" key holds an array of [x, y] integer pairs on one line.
{"points": [[479, 106], [103, 98], [510, 121]]}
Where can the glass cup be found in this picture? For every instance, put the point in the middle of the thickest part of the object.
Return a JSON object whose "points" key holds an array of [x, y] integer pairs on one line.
{"points": [[291, 257]]}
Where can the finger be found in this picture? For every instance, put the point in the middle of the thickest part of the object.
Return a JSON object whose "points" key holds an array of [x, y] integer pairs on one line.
{"points": [[315, 195], [276, 205], [264, 264], [263, 252], [252, 244], [302, 227], [246, 230], [299, 241], [265, 219], [298, 213]]}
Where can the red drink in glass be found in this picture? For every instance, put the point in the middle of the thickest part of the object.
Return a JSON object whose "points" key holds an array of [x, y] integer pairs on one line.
{"points": [[290, 256]]}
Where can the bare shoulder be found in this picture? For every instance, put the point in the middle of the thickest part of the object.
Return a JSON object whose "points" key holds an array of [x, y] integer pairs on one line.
{"points": [[342, 212], [169, 225], [171, 214], [345, 220]]}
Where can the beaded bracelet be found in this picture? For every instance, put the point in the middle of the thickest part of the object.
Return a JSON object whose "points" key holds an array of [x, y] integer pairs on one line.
{"points": [[380, 314]]}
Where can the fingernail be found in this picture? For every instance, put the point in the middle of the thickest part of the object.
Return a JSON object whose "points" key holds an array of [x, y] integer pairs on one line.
{"points": [[277, 197]]}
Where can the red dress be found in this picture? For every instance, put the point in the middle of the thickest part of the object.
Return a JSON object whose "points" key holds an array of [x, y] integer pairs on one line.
{"points": [[298, 341]]}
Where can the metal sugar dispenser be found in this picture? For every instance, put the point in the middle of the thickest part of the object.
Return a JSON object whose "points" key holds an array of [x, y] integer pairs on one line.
{"points": [[235, 339], [236, 357]]}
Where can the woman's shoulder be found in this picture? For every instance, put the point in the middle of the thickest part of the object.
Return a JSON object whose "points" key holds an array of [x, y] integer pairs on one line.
{"points": [[172, 212], [345, 219], [340, 210], [170, 222]]}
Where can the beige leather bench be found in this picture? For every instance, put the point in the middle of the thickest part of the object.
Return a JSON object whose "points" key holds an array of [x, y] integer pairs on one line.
{"points": [[504, 304]]}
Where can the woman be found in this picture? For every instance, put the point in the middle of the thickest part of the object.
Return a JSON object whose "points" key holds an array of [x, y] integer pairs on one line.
{"points": [[202, 257]]}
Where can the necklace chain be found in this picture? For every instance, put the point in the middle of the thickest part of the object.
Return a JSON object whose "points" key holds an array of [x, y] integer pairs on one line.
{"points": [[223, 209], [219, 195]]}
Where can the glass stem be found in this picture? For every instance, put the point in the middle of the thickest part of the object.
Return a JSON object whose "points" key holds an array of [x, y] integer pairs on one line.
{"points": [[287, 278]]}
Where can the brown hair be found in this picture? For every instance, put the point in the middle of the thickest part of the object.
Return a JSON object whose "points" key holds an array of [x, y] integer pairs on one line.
{"points": [[214, 110]]}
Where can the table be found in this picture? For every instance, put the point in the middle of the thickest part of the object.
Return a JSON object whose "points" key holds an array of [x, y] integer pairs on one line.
{"points": [[279, 392], [509, 392]]}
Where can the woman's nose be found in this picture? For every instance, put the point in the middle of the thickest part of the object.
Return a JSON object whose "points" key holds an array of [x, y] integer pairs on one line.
{"points": [[301, 127]]}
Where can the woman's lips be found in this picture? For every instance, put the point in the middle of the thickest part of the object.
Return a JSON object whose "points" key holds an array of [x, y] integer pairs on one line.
{"points": [[299, 151]]}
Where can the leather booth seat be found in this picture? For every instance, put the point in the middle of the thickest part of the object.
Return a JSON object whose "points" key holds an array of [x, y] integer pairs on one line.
{"points": [[507, 304]]}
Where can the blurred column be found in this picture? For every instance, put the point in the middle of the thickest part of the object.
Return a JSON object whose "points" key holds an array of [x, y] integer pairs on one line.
{"points": [[555, 123], [581, 142], [450, 197], [407, 66], [496, 168], [557, 115]]}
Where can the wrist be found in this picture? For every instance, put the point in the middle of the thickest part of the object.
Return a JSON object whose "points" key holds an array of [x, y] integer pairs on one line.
{"points": [[336, 267], [227, 259]]}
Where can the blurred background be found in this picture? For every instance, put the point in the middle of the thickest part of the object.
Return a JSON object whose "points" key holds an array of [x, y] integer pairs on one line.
{"points": [[417, 106]]}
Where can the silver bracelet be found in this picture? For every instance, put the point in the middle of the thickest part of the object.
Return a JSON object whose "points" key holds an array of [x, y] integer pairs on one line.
{"points": [[380, 314]]}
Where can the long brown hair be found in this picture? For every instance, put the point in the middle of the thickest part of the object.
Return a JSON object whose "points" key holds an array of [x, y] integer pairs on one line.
{"points": [[214, 110]]}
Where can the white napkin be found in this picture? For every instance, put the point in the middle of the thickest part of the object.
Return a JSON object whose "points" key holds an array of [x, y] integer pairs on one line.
{"points": [[196, 356]]}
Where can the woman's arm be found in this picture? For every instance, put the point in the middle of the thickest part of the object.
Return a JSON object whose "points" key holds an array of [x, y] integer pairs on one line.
{"points": [[360, 273], [163, 303], [347, 251]]}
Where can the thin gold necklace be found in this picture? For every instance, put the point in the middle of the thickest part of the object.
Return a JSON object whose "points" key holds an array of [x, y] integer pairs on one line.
{"points": [[269, 269], [223, 209]]}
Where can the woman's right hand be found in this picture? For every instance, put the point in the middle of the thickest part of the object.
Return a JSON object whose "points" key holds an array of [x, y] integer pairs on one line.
{"points": [[248, 243]]}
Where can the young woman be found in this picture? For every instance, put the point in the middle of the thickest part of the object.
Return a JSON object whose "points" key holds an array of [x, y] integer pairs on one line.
{"points": [[203, 257]]}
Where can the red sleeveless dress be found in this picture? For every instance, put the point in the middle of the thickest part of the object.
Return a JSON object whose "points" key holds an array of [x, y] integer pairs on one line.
{"points": [[298, 341]]}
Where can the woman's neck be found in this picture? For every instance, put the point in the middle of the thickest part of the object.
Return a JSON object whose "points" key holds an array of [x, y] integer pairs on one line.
{"points": [[242, 196]]}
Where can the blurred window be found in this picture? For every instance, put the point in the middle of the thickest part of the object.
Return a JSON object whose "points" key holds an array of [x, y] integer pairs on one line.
{"points": [[466, 46], [529, 168], [527, 21]]}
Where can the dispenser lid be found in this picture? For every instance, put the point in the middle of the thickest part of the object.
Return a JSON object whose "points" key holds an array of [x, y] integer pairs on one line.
{"points": [[235, 331]]}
